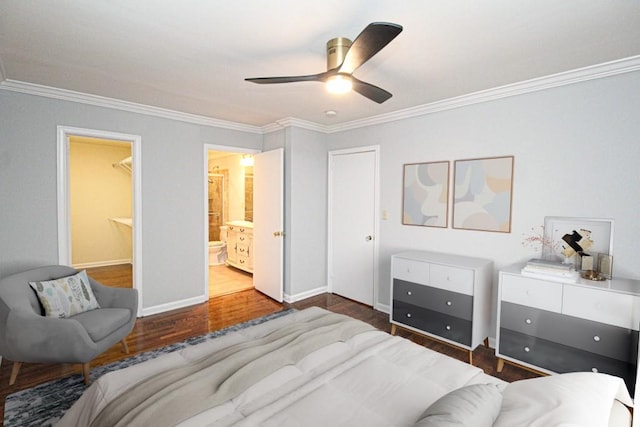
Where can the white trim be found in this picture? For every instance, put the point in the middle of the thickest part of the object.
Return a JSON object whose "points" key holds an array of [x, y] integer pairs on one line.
{"points": [[385, 308], [64, 214], [117, 104], [102, 263], [376, 245], [161, 308], [304, 295], [592, 72], [205, 198]]}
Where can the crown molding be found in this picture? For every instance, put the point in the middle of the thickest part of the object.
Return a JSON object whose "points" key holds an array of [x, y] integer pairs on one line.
{"points": [[101, 101], [607, 69], [593, 72]]}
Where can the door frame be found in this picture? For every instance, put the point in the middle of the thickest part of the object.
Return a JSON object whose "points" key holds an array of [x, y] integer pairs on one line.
{"points": [[205, 197], [376, 232], [64, 199]]}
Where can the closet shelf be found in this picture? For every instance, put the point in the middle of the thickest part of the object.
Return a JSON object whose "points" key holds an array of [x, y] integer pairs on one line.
{"points": [[125, 221]]}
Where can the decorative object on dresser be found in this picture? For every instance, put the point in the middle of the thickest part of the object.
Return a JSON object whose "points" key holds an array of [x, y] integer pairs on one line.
{"points": [[482, 194], [425, 194], [555, 327], [442, 296], [240, 245]]}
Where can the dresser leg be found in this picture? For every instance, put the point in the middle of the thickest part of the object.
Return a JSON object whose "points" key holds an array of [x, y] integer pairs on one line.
{"points": [[393, 329], [500, 365], [486, 342], [470, 357]]}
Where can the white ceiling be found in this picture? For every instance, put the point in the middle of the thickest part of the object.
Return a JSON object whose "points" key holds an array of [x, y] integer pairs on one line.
{"points": [[191, 56]]}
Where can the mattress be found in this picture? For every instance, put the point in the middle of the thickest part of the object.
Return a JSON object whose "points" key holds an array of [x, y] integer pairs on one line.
{"points": [[364, 378]]}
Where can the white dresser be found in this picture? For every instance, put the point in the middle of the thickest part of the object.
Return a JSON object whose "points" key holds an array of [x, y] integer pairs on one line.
{"points": [[240, 245], [442, 296], [557, 327]]}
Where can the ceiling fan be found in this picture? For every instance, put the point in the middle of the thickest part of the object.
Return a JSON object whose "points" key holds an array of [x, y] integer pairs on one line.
{"points": [[343, 58]]}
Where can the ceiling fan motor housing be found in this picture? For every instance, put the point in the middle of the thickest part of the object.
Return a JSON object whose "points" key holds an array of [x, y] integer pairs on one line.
{"points": [[336, 50]]}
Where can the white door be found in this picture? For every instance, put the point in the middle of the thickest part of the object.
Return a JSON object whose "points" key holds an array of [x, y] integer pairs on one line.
{"points": [[268, 224], [352, 232]]}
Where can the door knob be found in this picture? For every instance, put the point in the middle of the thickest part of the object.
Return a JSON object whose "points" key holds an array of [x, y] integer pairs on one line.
{"points": [[368, 238]]}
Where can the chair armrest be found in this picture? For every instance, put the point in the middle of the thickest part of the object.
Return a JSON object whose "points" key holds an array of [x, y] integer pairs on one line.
{"points": [[109, 297], [39, 339]]}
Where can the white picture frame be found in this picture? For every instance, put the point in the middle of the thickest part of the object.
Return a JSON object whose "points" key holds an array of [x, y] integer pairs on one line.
{"points": [[599, 231]]}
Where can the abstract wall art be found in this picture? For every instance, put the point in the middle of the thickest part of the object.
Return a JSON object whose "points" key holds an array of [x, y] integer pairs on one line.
{"points": [[482, 194], [426, 194]]}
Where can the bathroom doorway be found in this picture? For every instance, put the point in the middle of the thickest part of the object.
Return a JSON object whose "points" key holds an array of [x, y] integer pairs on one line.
{"points": [[229, 221]]}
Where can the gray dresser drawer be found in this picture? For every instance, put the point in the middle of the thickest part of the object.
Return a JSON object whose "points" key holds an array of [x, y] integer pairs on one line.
{"points": [[440, 300], [434, 322], [599, 338], [561, 358]]}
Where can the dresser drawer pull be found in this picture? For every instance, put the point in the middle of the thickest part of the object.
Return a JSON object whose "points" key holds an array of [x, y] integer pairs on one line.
{"points": [[527, 349], [449, 303], [596, 338], [528, 321], [448, 327], [594, 370], [408, 314], [408, 292]]}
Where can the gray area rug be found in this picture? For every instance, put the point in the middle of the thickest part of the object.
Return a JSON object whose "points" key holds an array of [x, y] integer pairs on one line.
{"points": [[45, 404]]}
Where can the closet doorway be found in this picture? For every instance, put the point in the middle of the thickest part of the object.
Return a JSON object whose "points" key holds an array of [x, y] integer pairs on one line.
{"points": [[99, 201]]}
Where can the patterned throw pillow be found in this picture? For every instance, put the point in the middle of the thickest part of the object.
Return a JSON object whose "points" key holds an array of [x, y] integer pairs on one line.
{"points": [[66, 296]]}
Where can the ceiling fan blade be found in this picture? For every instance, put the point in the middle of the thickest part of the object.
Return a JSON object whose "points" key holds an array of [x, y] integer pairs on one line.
{"points": [[369, 42], [370, 91], [321, 77]]}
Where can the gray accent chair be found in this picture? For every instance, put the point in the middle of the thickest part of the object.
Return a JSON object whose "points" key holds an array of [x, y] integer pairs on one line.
{"points": [[27, 336]]}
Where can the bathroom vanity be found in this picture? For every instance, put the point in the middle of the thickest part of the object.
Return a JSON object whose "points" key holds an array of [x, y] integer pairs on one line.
{"points": [[240, 245]]}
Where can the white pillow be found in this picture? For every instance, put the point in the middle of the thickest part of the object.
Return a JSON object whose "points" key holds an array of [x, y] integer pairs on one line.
{"points": [[475, 405], [66, 296], [574, 399]]}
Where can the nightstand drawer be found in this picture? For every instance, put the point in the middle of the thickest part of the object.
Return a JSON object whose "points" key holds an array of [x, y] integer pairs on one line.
{"points": [[411, 271], [446, 302], [451, 278], [531, 292], [602, 306], [449, 327]]}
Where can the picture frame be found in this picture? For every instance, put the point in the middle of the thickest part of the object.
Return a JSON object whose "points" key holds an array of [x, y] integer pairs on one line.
{"points": [[483, 192], [597, 238], [425, 195]]}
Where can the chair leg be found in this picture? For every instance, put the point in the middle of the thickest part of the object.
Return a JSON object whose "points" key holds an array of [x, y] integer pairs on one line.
{"points": [[14, 372], [125, 348], [85, 373]]}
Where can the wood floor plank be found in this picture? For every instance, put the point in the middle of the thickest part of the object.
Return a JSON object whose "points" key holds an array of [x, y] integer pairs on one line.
{"points": [[159, 330]]}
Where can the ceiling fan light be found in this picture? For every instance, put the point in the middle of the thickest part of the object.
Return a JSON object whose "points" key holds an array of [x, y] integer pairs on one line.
{"points": [[339, 84]]}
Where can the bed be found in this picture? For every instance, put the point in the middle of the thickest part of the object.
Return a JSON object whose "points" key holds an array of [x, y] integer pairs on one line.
{"points": [[317, 368]]}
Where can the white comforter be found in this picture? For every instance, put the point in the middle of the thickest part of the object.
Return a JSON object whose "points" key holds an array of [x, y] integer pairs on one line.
{"points": [[387, 381], [390, 383]]}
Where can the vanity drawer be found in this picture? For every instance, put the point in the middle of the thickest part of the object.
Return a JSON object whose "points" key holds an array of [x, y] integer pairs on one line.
{"points": [[531, 292], [445, 326], [446, 302], [602, 306], [411, 271], [451, 278]]}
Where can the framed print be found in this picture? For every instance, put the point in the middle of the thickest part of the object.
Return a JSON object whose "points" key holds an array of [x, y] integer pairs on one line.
{"points": [[482, 194], [568, 236], [425, 194]]}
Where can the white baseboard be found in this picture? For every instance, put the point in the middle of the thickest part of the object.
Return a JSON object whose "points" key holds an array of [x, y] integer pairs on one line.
{"points": [[304, 295], [84, 265], [382, 307], [156, 309]]}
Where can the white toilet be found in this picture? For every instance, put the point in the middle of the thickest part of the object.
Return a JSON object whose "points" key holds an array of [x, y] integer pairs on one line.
{"points": [[218, 248]]}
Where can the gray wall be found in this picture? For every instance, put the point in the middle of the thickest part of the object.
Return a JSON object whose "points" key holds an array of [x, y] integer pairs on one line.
{"points": [[172, 189], [576, 154]]}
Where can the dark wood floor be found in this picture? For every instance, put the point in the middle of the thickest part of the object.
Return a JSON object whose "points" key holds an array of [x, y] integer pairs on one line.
{"points": [[162, 329]]}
